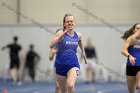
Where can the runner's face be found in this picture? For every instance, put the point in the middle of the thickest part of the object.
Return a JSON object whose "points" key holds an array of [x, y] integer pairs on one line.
{"points": [[69, 22], [137, 29]]}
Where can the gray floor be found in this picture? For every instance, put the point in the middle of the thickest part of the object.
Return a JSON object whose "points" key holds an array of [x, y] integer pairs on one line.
{"points": [[44, 87]]}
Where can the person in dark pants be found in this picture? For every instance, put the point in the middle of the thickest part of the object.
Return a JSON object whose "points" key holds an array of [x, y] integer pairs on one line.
{"points": [[131, 50], [14, 59], [31, 59]]}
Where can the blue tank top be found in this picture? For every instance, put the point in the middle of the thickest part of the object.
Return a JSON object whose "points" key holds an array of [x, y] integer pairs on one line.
{"points": [[66, 50], [134, 50]]}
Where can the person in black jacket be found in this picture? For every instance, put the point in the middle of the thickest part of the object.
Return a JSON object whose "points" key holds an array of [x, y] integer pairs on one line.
{"points": [[31, 59], [14, 48], [92, 59]]}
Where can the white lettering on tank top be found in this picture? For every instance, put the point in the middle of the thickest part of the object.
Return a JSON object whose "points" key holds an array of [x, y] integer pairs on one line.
{"points": [[71, 43]]}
